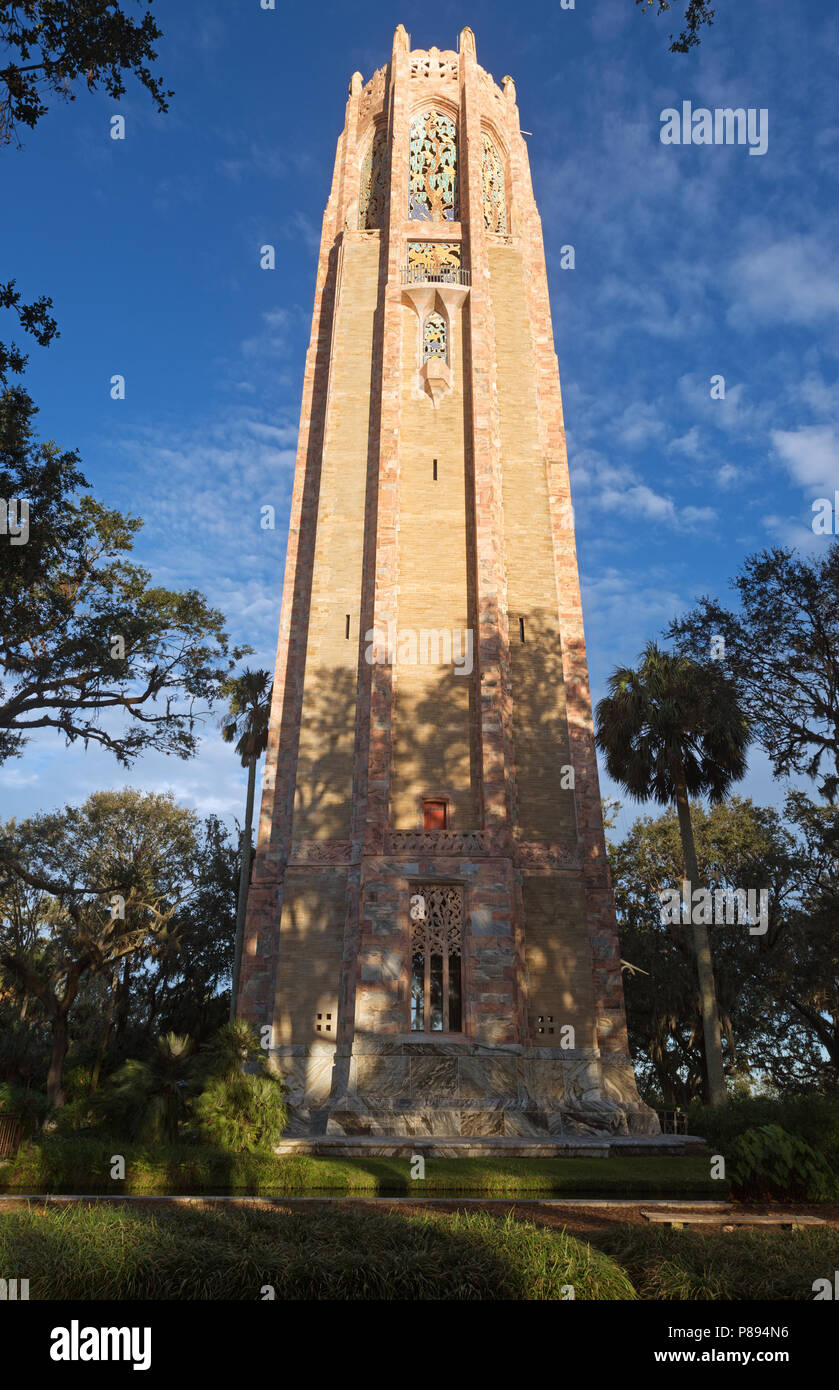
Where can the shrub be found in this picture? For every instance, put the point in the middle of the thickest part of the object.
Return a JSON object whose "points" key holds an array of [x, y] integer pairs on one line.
{"points": [[148, 1100], [766, 1161], [233, 1051], [30, 1105], [242, 1113], [752, 1265], [813, 1118]]}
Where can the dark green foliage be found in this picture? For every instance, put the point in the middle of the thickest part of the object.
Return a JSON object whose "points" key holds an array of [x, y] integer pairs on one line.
{"points": [[148, 1100], [71, 591], [242, 1106], [33, 318], [668, 721], [697, 13], [185, 989], [746, 1265], [813, 1118], [242, 1113], [332, 1254], [45, 45], [32, 1106], [233, 1051], [781, 648], [107, 987], [81, 1163], [766, 1161]]}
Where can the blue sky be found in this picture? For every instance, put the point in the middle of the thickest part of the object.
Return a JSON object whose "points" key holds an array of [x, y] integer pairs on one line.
{"points": [[691, 261]]}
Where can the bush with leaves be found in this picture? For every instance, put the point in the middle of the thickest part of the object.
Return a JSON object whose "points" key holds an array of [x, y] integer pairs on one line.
{"points": [[242, 1114], [242, 1106], [30, 1105], [766, 1161], [148, 1100], [811, 1117]]}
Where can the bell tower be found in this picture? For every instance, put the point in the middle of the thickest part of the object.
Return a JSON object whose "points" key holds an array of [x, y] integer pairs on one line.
{"points": [[431, 933]]}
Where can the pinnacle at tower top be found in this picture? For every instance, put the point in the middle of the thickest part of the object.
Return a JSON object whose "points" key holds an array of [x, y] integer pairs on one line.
{"points": [[430, 939]]}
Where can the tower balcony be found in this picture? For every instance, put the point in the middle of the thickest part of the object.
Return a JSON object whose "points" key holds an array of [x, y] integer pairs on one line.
{"points": [[440, 275]]}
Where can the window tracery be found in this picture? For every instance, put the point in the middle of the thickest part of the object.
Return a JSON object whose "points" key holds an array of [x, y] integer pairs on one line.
{"points": [[436, 958], [494, 189], [433, 153], [435, 337], [371, 202]]}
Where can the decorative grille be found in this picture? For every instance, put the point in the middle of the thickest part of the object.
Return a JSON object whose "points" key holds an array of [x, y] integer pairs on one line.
{"points": [[371, 203], [494, 192], [433, 149], [436, 951], [434, 335]]}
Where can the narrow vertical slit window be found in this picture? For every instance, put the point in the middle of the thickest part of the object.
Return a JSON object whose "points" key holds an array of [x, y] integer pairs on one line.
{"points": [[521, 628], [347, 628], [435, 470]]}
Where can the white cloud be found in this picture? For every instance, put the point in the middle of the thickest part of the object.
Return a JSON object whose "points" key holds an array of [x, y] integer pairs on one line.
{"points": [[688, 444], [811, 456], [793, 280]]}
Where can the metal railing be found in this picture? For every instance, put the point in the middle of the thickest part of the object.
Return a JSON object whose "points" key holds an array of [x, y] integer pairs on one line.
{"points": [[414, 275], [11, 1133], [673, 1121]]}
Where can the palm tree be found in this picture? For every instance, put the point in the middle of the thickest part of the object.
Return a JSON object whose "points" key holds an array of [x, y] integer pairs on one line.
{"points": [[670, 730], [148, 1099], [246, 723]]}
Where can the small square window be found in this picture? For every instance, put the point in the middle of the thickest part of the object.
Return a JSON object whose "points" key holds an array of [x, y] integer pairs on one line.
{"points": [[434, 815]]}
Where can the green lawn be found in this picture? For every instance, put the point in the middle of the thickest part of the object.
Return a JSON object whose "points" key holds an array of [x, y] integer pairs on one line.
{"points": [[83, 1165], [742, 1264], [335, 1253], [340, 1252]]}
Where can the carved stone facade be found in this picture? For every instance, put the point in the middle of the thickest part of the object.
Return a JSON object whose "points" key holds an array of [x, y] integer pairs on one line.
{"points": [[431, 496]]}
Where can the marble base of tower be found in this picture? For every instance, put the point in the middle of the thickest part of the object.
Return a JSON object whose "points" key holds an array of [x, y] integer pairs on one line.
{"points": [[393, 1087]]}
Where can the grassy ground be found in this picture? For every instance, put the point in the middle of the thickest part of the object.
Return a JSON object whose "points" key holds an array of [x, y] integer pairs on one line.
{"points": [[83, 1165], [346, 1251], [758, 1264], [339, 1253]]}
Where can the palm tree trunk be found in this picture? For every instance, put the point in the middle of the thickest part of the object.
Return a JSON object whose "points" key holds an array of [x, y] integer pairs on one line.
{"points": [[244, 882], [714, 1075]]}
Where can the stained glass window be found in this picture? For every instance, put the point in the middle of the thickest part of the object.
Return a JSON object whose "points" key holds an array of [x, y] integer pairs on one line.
{"points": [[434, 337], [494, 192], [433, 168], [371, 202], [434, 260]]}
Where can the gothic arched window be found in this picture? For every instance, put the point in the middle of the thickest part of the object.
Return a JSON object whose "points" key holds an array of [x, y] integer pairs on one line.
{"points": [[434, 337], [436, 952], [433, 168], [494, 191], [371, 201]]}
